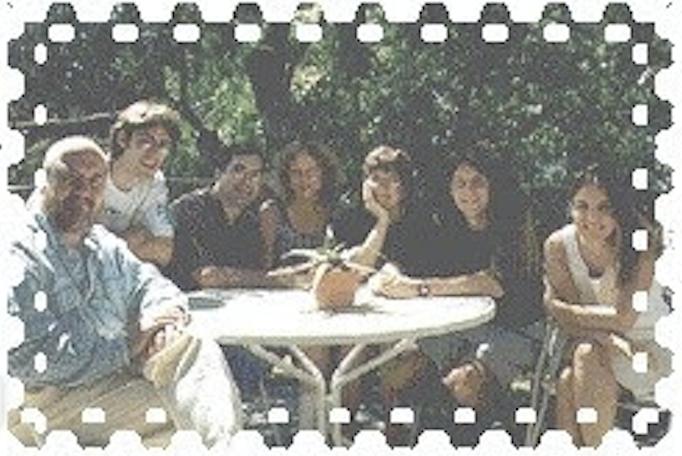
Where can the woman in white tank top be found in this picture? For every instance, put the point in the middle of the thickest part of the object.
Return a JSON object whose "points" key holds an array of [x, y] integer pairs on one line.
{"points": [[592, 272]]}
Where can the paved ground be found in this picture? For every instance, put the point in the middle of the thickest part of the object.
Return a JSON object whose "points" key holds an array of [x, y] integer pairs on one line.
{"points": [[433, 409]]}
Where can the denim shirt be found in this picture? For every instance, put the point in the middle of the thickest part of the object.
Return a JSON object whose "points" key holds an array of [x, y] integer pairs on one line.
{"points": [[92, 297]]}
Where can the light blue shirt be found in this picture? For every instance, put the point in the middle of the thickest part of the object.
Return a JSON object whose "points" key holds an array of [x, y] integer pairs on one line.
{"points": [[94, 295]]}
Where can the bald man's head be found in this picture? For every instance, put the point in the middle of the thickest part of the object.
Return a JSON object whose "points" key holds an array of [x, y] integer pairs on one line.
{"points": [[54, 161], [76, 172]]}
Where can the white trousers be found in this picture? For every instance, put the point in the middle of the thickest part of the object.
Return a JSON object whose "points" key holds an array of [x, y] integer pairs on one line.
{"points": [[200, 395]]}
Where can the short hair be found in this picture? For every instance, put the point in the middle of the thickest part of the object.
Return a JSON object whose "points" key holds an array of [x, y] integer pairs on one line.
{"points": [[236, 150], [325, 158], [391, 159], [141, 115], [387, 158], [53, 162]]}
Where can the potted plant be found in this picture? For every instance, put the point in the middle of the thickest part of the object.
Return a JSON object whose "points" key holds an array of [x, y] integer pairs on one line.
{"points": [[335, 277]]}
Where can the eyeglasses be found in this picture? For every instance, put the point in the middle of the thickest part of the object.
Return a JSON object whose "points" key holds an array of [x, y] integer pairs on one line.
{"points": [[147, 142], [77, 181]]}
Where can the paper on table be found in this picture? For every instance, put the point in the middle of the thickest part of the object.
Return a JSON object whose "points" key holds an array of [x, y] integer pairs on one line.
{"points": [[201, 300]]}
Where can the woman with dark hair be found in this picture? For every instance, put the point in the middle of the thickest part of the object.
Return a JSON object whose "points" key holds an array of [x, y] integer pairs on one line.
{"points": [[592, 271], [393, 230], [309, 178], [393, 220], [486, 248]]}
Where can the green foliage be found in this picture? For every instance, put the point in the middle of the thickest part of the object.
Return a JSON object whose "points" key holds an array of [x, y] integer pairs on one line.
{"points": [[547, 108]]}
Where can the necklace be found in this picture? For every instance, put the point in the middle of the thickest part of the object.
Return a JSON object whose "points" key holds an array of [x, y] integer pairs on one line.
{"points": [[596, 258], [307, 219]]}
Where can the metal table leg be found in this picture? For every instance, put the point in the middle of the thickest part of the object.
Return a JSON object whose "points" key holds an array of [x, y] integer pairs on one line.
{"points": [[345, 373], [327, 397], [310, 375]]}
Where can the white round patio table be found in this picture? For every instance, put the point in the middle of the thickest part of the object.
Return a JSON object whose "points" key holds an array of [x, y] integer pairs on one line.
{"points": [[262, 319]]}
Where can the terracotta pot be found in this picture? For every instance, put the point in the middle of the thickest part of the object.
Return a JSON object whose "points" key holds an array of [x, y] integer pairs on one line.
{"points": [[335, 286]]}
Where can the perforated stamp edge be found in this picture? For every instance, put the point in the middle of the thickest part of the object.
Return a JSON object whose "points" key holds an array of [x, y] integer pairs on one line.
{"points": [[665, 13]]}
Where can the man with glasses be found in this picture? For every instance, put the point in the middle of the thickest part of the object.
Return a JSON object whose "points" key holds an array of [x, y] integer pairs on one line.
{"points": [[218, 241], [136, 197]]}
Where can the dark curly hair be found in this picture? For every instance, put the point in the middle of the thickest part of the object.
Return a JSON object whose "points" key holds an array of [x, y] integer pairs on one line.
{"points": [[326, 160], [507, 204], [219, 154]]}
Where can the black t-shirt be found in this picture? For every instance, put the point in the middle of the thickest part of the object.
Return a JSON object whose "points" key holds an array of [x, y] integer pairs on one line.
{"points": [[409, 241], [501, 251], [464, 251], [204, 237]]}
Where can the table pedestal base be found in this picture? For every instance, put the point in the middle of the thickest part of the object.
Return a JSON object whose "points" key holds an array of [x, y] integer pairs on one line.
{"points": [[320, 397]]}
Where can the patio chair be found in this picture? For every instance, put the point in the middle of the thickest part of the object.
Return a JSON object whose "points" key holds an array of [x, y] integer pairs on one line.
{"points": [[544, 379], [543, 389]]}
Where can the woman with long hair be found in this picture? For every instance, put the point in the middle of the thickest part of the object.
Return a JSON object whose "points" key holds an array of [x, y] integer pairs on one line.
{"points": [[308, 176], [486, 249], [592, 272]]}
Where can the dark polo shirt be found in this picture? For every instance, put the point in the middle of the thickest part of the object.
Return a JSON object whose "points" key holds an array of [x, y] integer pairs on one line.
{"points": [[204, 237]]}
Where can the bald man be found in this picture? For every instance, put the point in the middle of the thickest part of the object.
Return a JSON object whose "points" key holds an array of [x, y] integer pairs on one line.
{"points": [[104, 330]]}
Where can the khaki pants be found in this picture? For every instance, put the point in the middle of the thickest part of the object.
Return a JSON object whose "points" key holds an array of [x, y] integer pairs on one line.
{"points": [[201, 396]]}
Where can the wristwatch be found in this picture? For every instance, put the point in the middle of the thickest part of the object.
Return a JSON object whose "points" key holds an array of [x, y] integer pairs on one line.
{"points": [[424, 289]]}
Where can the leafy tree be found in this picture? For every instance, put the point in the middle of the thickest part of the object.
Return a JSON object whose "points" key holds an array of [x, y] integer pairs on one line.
{"points": [[547, 108]]}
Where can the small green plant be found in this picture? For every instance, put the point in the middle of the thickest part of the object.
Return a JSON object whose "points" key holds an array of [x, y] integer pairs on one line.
{"points": [[331, 253]]}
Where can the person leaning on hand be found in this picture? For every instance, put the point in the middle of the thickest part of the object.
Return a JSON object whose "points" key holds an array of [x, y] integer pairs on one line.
{"points": [[104, 330]]}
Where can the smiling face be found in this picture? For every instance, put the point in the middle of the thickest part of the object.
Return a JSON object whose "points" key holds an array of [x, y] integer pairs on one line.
{"points": [[592, 213], [240, 182], [387, 188], [305, 176], [145, 150], [470, 191], [75, 197]]}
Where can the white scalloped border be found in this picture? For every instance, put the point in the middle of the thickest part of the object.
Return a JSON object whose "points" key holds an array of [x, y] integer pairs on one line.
{"points": [[665, 13]]}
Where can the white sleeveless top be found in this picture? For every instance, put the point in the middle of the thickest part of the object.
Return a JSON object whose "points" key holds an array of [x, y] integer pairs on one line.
{"points": [[588, 287]]}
